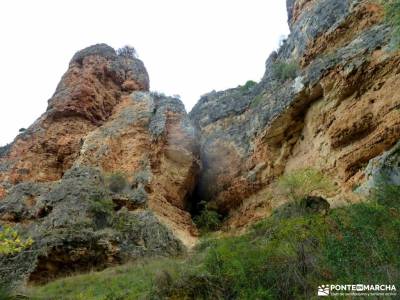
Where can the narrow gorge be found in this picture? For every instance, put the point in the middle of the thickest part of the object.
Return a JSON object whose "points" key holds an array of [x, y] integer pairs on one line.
{"points": [[113, 172]]}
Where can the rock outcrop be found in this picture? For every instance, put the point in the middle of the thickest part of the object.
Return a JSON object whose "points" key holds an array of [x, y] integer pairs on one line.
{"points": [[103, 176], [110, 171], [335, 113]]}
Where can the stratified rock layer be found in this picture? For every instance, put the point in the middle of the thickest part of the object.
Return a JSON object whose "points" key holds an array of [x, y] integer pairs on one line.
{"points": [[101, 125], [340, 111]]}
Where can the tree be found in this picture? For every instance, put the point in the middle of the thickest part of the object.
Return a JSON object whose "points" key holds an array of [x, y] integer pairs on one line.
{"points": [[127, 51]]}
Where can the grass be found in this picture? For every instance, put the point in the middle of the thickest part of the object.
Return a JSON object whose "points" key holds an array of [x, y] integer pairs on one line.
{"points": [[285, 256], [302, 183], [279, 258], [132, 281], [284, 71]]}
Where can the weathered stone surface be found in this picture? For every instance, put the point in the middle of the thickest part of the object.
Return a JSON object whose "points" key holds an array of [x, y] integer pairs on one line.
{"points": [[54, 178], [83, 100], [339, 113], [382, 168], [77, 227]]}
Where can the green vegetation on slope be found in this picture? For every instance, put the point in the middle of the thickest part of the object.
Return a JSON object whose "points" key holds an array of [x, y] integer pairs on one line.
{"points": [[282, 257], [11, 242], [124, 282], [392, 8], [284, 71], [248, 86]]}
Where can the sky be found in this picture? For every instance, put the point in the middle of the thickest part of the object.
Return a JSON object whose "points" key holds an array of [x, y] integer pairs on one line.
{"points": [[189, 47]]}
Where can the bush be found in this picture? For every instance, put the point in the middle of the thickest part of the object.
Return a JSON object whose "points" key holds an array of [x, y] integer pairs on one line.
{"points": [[248, 86], [362, 239], [102, 208], [302, 183], [138, 195], [188, 286], [392, 9], [275, 259], [257, 100], [127, 52], [207, 220], [387, 194], [11, 243], [117, 182], [125, 222], [306, 206], [141, 177], [285, 70]]}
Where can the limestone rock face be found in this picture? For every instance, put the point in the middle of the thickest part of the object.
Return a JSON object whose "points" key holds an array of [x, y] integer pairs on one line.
{"points": [[339, 111], [101, 125], [384, 167]]}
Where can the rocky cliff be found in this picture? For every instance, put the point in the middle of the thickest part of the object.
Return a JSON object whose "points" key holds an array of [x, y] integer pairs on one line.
{"points": [[110, 171], [103, 176], [327, 101]]}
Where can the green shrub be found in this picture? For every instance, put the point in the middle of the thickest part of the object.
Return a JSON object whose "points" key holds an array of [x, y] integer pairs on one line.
{"points": [[362, 238], [11, 242], [285, 70], [208, 220], [248, 86], [6, 292], [306, 206], [141, 177], [125, 222], [387, 194], [188, 286], [138, 195], [132, 281], [256, 101], [392, 9], [117, 182], [271, 262], [275, 259], [101, 207], [302, 183]]}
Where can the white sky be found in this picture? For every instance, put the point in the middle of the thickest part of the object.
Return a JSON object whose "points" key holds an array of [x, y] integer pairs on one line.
{"points": [[189, 47]]}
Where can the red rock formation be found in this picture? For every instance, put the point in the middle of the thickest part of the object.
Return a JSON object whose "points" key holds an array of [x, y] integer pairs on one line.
{"points": [[339, 111], [84, 99], [55, 177]]}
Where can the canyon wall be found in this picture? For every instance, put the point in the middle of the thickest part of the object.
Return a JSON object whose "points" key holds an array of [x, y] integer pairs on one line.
{"points": [[110, 171], [334, 111], [103, 176]]}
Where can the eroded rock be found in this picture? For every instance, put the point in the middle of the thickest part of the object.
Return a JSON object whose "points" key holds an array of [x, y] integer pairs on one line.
{"points": [[54, 177]]}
